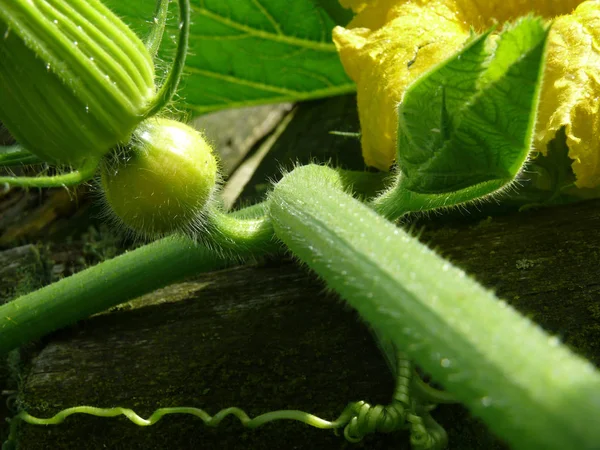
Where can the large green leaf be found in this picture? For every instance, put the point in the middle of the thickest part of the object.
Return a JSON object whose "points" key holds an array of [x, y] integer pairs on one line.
{"points": [[247, 52]]}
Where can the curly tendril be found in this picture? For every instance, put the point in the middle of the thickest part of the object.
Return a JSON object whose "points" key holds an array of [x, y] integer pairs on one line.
{"points": [[357, 420]]}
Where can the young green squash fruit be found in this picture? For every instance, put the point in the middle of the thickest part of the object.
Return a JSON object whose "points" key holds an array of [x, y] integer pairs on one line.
{"points": [[163, 181]]}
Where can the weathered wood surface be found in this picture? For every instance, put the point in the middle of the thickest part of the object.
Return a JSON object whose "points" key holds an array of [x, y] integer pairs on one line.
{"points": [[16, 265], [270, 337], [234, 132]]}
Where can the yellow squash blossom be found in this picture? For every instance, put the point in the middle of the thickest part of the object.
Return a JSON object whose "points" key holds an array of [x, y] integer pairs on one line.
{"points": [[390, 43]]}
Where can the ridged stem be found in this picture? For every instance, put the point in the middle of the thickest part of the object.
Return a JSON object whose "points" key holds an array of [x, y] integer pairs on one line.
{"points": [[522, 382], [397, 200], [249, 232]]}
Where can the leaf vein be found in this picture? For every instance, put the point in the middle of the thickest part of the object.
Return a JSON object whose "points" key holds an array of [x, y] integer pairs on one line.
{"points": [[281, 38], [243, 82], [269, 17], [299, 96]]}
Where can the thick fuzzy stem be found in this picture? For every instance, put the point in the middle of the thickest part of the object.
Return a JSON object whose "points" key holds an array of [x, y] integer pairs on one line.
{"points": [[525, 385]]}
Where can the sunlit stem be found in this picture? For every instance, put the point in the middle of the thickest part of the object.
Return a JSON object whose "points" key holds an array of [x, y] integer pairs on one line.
{"points": [[249, 232], [397, 200], [239, 237], [521, 381], [133, 274]]}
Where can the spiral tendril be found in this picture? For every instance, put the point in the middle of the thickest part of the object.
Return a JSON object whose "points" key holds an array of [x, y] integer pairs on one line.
{"points": [[404, 376], [369, 419], [358, 420], [408, 410]]}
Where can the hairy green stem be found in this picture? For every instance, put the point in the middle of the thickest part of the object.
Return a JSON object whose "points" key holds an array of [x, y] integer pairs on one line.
{"points": [[397, 201], [526, 386], [249, 232], [239, 237], [84, 173]]}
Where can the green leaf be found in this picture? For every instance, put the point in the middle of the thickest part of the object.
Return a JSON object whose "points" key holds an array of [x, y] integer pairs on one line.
{"points": [[248, 52], [435, 100], [465, 128], [490, 133], [337, 12], [15, 155]]}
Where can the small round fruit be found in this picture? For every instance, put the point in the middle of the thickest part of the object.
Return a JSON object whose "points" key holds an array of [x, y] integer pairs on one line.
{"points": [[164, 180]]}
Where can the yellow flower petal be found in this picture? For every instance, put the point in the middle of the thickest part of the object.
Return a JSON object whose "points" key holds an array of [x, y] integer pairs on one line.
{"points": [[384, 61], [482, 14], [571, 90], [371, 14], [390, 43]]}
